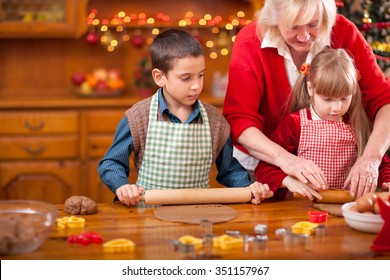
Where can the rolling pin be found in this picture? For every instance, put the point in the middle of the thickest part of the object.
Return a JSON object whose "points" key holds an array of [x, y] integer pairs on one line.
{"points": [[198, 196], [332, 196]]}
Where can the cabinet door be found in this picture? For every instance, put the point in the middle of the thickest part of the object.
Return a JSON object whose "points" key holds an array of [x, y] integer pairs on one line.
{"points": [[51, 181], [43, 18]]}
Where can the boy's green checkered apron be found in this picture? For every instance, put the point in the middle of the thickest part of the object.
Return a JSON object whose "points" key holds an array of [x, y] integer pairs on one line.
{"points": [[177, 155]]}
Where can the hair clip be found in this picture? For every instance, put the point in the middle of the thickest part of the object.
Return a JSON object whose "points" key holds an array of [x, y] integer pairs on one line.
{"points": [[304, 70], [358, 75]]}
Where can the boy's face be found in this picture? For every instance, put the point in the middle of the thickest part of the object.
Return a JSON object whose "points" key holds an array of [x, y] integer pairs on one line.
{"points": [[184, 82]]}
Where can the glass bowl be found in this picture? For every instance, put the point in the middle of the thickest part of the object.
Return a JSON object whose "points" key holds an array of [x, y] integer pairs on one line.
{"points": [[25, 225], [370, 223]]}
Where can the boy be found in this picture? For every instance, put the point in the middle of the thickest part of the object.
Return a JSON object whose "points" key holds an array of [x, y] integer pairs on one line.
{"points": [[170, 132]]}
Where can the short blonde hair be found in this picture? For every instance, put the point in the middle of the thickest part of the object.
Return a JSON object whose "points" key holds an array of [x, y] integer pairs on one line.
{"points": [[296, 12]]}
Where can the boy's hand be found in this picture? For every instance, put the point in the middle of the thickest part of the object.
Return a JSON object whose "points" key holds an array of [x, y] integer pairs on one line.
{"points": [[259, 192], [129, 194]]}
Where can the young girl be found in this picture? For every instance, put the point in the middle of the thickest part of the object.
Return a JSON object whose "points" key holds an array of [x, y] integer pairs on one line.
{"points": [[327, 124]]}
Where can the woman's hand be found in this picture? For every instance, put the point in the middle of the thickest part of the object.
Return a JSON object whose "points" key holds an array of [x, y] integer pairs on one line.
{"points": [[259, 192], [305, 171], [296, 186], [129, 194], [363, 177]]}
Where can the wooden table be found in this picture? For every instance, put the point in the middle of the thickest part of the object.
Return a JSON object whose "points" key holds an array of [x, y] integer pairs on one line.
{"points": [[153, 237]]}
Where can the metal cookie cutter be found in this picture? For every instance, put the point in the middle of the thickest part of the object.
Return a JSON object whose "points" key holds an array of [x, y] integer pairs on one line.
{"points": [[206, 227], [280, 232], [261, 229]]}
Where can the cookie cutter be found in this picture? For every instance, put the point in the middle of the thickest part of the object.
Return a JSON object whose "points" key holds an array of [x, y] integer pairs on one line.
{"points": [[320, 230], [70, 222], [206, 227], [318, 216], [208, 244], [197, 243], [261, 229], [227, 242], [119, 245], [304, 227], [234, 233], [280, 232], [291, 239]]}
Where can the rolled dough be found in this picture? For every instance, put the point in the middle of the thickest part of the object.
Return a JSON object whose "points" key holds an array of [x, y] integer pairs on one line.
{"points": [[331, 208], [192, 214]]}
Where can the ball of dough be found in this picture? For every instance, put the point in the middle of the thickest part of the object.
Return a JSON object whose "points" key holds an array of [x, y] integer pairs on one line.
{"points": [[83, 205]]}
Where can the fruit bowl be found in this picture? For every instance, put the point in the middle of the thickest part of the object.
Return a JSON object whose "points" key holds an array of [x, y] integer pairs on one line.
{"points": [[98, 93], [25, 225], [370, 223], [98, 83]]}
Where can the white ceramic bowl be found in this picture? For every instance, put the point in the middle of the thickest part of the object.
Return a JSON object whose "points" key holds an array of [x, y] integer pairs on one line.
{"points": [[361, 222], [25, 225]]}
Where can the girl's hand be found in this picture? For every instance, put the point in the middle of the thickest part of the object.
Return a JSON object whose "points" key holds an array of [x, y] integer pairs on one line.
{"points": [[259, 192], [296, 186], [306, 171], [363, 176], [386, 186], [129, 194]]}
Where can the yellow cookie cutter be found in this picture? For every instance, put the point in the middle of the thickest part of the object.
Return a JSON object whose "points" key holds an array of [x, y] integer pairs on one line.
{"points": [[119, 245], [190, 240], [304, 228], [70, 222], [227, 242]]}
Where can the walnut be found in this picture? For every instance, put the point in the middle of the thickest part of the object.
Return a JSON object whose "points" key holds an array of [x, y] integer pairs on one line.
{"points": [[80, 205]]}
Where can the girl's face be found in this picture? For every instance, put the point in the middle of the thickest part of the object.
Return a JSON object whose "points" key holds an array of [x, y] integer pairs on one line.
{"points": [[300, 38], [184, 82], [329, 108]]}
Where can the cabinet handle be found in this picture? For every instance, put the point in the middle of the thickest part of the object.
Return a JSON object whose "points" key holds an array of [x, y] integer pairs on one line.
{"points": [[34, 127], [35, 152]]}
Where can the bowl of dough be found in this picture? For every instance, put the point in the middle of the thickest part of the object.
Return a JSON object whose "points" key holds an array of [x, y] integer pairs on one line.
{"points": [[25, 225], [364, 214]]}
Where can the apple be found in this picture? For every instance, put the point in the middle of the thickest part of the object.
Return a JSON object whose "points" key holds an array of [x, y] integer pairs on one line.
{"points": [[114, 74], [78, 78], [100, 74], [85, 88], [102, 87]]}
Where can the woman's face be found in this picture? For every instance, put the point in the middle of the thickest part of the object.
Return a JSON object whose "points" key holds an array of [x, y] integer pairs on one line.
{"points": [[300, 38]]}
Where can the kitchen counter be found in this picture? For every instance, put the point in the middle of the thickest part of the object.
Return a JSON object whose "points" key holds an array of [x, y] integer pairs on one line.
{"points": [[152, 237]]}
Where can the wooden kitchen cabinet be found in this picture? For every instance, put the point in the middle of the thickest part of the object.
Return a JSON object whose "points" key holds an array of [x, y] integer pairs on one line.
{"points": [[39, 154], [42, 18]]}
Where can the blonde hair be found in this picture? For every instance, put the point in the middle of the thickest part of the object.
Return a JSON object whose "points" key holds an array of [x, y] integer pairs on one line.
{"points": [[332, 73], [296, 12]]}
